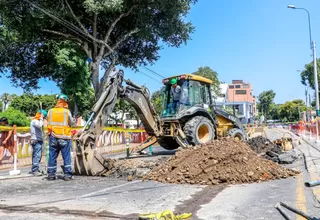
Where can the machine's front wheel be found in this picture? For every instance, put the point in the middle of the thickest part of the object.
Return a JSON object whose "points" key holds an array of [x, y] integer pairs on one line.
{"points": [[236, 133], [199, 130]]}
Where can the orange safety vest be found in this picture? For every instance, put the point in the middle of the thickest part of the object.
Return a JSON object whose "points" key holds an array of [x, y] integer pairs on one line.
{"points": [[58, 123]]}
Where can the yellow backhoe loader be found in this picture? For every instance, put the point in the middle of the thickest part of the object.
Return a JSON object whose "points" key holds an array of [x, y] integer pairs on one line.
{"points": [[188, 118]]}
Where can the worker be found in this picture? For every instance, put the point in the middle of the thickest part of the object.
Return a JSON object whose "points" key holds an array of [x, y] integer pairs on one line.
{"points": [[176, 92], [59, 131], [36, 141], [6, 139]]}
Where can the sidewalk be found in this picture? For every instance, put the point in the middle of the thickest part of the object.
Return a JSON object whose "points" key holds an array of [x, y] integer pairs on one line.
{"points": [[312, 159]]}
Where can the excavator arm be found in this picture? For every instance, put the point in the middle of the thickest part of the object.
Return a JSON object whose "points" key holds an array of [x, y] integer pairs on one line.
{"points": [[88, 161]]}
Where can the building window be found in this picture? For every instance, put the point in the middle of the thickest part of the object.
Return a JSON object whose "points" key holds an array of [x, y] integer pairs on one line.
{"points": [[241, 92], [237, 86], [231, 87], [245, 86]]}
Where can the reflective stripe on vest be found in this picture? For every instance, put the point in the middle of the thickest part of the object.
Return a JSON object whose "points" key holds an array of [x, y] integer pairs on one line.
{"points": [[58, 123]]}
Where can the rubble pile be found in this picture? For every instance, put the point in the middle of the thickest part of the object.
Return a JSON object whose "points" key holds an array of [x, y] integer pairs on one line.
{"points": [[222, 161], [132, 168], [271, 151], [266, 148]]}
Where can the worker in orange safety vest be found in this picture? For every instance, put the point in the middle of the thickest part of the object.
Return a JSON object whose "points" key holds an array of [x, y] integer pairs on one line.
{"points": [[59, 130]]}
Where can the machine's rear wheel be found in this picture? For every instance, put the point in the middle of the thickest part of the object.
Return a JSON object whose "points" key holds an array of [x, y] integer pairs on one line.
{"points": [[168, 143], [199, 130], [236, 133]]}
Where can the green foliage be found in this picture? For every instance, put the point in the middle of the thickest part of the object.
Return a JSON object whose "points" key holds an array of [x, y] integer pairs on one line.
{"points": [[109, 32], [156, 100], [307, 75], [290, 110], [6, 98], [266, 98], [274, 111], [74, 79], [207, 72], [29, 103], [15, 117]]}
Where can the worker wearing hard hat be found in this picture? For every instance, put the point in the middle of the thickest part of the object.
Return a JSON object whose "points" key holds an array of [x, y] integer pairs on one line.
{"points": [[176, 92], [36, 141], [59, 130]]}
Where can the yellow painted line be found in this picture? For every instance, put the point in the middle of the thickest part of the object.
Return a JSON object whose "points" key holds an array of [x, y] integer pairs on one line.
{"points": [[301, 202]]}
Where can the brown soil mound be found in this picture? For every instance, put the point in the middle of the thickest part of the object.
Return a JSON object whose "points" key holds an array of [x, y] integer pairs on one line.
{"points": [[221, 161]]}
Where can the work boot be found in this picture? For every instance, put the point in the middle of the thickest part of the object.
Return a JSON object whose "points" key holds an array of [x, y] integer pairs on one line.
{"points": [[51, 178], [38, 173], [68, 178]]}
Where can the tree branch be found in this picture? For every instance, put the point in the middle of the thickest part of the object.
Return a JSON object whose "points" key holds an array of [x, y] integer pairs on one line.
{"points": [[87, 50], [62, 34], [94, 33], [93, 38], [106, 38], [77, 19], [125, 37]]}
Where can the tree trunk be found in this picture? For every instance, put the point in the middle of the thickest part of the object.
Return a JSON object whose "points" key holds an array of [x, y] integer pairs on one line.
{"points": [[95, 78]]}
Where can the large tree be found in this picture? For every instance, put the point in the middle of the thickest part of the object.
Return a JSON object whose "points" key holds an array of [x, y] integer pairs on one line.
{"points": [[307, 75], [291, 110], [106, 33], [29, 103], [266, 99], [156, 100], [207, 72]]}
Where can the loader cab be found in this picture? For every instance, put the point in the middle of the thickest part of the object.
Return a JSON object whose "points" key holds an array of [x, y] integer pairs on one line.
{"points": [[191, 91]]}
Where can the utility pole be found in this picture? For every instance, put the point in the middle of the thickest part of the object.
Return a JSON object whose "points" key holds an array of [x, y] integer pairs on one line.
{"points": [[306, 92], [313, 48], [316, 87]]}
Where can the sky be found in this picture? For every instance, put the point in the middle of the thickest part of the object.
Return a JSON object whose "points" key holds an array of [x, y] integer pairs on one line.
{"points": [[259, 41]]}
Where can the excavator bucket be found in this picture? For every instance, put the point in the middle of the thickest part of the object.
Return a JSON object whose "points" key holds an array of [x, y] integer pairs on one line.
{"points": [[88, 160]]}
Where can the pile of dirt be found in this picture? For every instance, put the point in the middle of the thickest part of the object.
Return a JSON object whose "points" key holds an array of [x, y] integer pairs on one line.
{"points": [[221, 161], [131, 169]]}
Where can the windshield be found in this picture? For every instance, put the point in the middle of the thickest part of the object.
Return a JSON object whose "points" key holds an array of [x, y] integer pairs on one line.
{"points": [[184, 95]]}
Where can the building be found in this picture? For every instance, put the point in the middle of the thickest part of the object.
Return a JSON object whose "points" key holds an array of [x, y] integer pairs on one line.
{"points": [[237, 98]]}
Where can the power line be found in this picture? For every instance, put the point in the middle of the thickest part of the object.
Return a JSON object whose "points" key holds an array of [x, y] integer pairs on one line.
{"points": [[65, 23], [150, 77], [155, 73]]}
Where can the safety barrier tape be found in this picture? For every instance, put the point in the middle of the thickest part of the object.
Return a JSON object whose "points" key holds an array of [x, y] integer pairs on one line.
{"points": [[27, 129]]}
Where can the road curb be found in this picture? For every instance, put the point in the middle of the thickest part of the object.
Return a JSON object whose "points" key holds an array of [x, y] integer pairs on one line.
{"points": [[312, 170], [15, 177]]}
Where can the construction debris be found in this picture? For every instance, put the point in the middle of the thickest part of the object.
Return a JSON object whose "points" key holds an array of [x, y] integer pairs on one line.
{"points": [[273, 151], [221, 161]]}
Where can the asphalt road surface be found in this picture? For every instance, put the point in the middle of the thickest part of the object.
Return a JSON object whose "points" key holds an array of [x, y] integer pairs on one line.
{"points": [[109, 198]]}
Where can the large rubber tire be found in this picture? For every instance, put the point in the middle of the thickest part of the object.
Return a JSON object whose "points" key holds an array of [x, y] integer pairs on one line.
{"points": [[168, 143], [236, 133], [199, 130]]}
